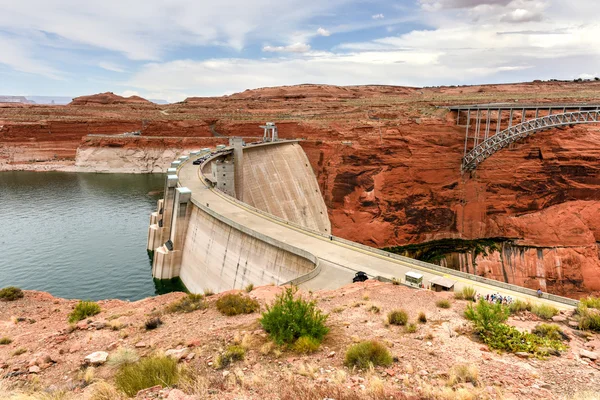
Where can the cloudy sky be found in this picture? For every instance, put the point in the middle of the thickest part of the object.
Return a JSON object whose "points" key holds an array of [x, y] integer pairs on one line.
{"points": [[171, 49]]}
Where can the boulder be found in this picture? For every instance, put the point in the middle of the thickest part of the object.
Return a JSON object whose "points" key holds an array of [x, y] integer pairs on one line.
{"points": [[34, 369], [177, 394], [177, 354], [559, 318], [96, 358], [588, 354]]}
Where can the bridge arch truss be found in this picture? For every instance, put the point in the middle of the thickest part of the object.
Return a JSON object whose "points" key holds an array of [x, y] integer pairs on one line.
{"points": [[492, 127]]}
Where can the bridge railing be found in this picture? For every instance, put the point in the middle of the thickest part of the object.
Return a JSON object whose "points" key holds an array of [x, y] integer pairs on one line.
{"points": [[416, 263]]}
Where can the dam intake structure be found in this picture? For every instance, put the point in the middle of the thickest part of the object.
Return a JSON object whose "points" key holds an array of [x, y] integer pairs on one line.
{"points": [[253, 214]]}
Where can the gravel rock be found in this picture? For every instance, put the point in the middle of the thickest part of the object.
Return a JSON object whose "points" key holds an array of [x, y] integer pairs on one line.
{"points": [[588, 354], [96, 358]]}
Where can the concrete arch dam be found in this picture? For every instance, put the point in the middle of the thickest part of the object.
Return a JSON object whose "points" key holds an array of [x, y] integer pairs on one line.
{"points": [[254, 214]]}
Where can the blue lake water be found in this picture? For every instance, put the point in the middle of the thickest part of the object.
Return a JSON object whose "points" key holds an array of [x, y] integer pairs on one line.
{"points": [[77, 235]]}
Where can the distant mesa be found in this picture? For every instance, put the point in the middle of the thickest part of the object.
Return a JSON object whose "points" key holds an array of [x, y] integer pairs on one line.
{"points": [[15, 99], [107, 98]]}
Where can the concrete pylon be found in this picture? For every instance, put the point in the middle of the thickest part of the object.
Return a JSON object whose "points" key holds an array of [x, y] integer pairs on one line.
{"points": [[167, 257], [238, 164]]}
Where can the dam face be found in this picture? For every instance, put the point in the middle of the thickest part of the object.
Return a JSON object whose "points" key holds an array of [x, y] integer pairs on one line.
{"points": [[209, 251]]}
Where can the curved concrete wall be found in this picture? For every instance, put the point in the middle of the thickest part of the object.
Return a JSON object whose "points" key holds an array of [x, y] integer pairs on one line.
{"points": [[279, 180], [218, 256]]}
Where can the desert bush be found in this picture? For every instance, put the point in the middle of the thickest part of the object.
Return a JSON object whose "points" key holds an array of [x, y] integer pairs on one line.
{"points": [[84, 309], [306, 345], [463, 373], [486, 316], [588, 318], [235, 304], [208, 292], [19, 351], [152, 323], [368, 354], [550, 331], [191, 302], [411, 328], [231, 354], [123, 356], [459, 296], [104, 391], [590, 302], [489, 319], [422, 318], [398, 317], [147, 372], [396, 281], [249, 287], [290, 318], [11, 293], [519, 306], [544, 311], [375, 309], [469, 293], [443, 303], [5, 340]]}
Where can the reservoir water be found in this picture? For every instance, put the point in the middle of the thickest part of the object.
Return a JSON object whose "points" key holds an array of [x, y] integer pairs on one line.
{"points": [[77, 235]]}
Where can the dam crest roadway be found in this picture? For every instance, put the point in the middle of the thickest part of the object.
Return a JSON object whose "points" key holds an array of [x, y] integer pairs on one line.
{"points": [[270, 226]]}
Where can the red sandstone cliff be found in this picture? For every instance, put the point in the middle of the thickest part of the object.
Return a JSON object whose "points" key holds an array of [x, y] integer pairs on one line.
{"points": [[388, 162]]}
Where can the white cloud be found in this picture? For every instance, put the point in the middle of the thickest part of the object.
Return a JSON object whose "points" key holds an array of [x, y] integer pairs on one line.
{"points": [[18, 53], [378, 16], [147, 29], [110, 67], [292, 48], [522, 15], [323, 32]]}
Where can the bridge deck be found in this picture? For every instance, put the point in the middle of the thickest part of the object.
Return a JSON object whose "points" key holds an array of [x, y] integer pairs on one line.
{"points": [[339, 261]]}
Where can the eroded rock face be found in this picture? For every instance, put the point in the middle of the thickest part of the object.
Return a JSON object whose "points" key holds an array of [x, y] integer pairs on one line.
{"points": [[387, 161]]}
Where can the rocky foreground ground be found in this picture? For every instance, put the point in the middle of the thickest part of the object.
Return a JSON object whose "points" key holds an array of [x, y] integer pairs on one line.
{"points": [[47, 356]]}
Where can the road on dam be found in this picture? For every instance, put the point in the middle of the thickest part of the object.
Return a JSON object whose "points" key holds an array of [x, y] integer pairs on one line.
{"points": [[339, 261]]}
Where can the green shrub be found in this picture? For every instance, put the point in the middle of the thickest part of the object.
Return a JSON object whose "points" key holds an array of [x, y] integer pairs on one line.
{"points": [[249, 287], [489, 319], [550, 331], [398, 317], [147, 372], [84, 309], [290, 318], [469, 293], [590, 302], [5, 340], [411, 328], [191, 302], [152, 323], [422, 318], [518, 306], [588, 318], [19, 351], [235, 304], [11, 293], [232, 354], [544, 311], [486, 316], [443, 303], [368, 354], [306, 345]]}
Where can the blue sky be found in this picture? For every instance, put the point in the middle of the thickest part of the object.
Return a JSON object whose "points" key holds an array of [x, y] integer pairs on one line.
{"points": [[178, 48]]}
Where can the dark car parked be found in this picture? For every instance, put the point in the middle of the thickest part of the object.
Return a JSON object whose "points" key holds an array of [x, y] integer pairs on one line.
{"points": [[360, 277], [197, 162]]}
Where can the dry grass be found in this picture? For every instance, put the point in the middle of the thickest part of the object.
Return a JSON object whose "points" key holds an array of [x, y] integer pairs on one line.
{"points": [[463, 373], [104, 391]]}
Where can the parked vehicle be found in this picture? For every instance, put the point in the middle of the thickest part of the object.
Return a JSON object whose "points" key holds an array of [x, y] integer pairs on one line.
{"points": [[197, 162], [360, 277]]}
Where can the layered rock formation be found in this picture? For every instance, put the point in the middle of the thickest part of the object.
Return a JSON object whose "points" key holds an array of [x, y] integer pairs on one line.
{"points": [[388, 163]]}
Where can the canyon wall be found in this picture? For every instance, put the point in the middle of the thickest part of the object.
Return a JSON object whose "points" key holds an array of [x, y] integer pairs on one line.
{"points": [[387, 160]]}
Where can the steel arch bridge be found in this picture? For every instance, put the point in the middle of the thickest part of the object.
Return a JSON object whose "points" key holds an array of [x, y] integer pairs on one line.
{"points": [[491, 138]]}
